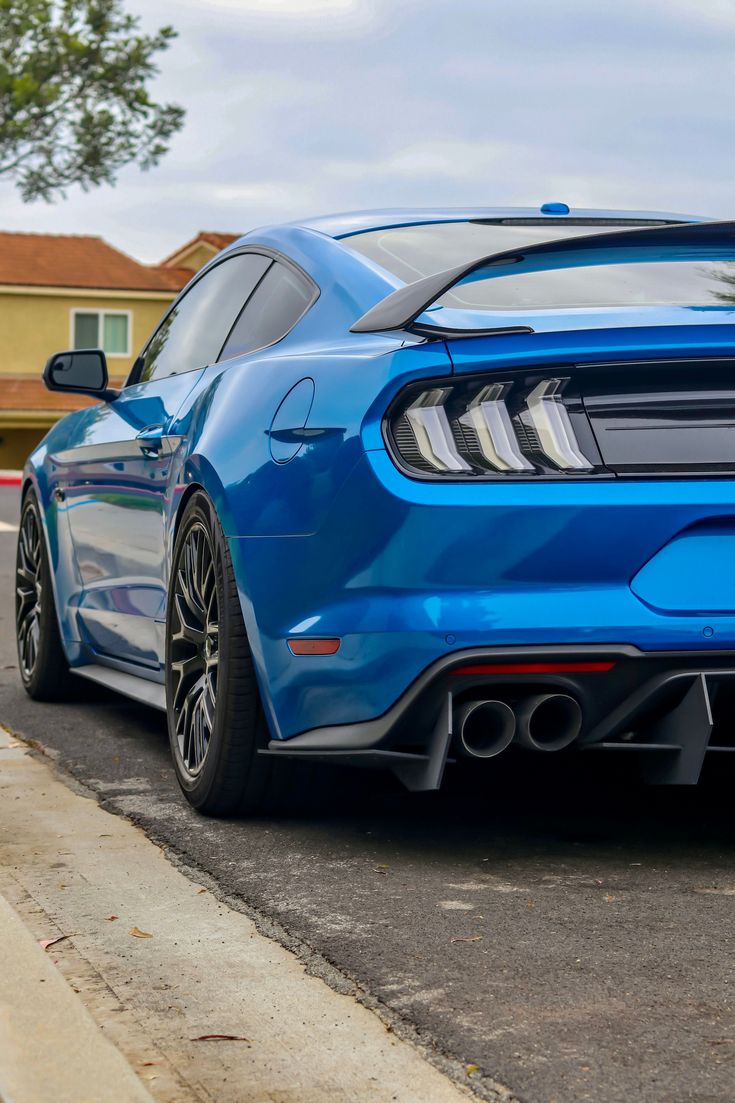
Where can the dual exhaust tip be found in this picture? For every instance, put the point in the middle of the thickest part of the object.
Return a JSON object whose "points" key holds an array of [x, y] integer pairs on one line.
{"points": [[542, 722]]}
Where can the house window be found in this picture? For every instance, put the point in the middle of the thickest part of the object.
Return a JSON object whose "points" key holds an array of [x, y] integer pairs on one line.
{"points": [[108, 330]]}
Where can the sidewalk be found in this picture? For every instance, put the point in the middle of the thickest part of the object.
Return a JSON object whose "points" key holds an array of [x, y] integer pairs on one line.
{"points": [[50, 1047], [194, 999]]}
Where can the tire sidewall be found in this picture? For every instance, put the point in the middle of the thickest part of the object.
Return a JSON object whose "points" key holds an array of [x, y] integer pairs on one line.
{"points": [[47, 619], [198, 787]]}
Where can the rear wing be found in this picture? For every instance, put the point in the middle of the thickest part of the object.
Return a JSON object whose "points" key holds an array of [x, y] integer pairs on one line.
{"points": [[400, 309]]}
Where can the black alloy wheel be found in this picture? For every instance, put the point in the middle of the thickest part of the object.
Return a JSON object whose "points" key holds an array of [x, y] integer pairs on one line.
{"points": [[215, 719], [41, 660], [194, 647], [28, 592]]}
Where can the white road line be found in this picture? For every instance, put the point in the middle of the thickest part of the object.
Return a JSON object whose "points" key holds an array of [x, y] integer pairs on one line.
{"points": [[5, 527]]}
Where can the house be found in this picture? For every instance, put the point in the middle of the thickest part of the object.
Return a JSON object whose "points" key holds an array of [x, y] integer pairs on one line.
{"points": [[74, 291], [197, 252]]}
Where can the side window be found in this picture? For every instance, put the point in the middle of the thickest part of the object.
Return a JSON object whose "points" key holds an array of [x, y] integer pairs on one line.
{"points": [[98, 329], [192, 334], [279, 300]]}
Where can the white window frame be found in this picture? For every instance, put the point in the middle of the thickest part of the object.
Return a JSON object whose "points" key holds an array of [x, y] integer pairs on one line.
{"points": [[100, 328]]}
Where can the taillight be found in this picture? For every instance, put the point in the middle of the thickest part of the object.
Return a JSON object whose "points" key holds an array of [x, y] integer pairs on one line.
{"points": [[469, 428]]}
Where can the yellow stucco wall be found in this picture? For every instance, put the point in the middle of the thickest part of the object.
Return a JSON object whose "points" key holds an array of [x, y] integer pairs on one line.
{"points": [[34, 323], [196, 257]]}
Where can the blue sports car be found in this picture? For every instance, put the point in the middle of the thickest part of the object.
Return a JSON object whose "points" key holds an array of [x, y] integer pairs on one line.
{"points": [[392, 487]]}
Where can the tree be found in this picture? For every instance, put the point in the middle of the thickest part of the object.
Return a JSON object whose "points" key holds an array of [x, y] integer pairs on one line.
{"points": [[725, 275], [74, 102]]}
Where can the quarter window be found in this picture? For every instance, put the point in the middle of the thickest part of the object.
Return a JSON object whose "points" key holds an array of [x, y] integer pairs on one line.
{"points": [[193, 332], [98, 329], [281, 298]]}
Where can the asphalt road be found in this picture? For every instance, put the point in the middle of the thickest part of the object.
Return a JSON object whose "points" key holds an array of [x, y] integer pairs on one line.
{"points": [[567, 933]]}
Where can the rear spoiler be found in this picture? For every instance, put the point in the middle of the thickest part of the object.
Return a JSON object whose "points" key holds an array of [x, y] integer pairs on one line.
{"points": [[401, 308]]}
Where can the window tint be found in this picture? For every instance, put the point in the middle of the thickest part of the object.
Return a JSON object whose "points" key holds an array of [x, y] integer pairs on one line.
{"points": [[279, 300], [655, 283], [412, 252], [192, 333], [108, 331], [86, 331]]}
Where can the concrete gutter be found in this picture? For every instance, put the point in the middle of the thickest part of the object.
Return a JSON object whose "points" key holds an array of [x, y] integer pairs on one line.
{"points": [[51, 1050], [194, 969]]}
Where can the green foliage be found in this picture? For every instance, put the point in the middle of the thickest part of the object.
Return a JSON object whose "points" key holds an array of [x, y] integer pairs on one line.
{"points": [[74, 101]]}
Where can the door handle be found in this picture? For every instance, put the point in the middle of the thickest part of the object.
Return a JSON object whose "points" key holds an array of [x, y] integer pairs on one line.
{"points": [[151, 439]]}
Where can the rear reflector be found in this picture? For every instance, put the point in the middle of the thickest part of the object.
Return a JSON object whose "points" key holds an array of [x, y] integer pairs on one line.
{"points": [[536, 668], [314, 647]]}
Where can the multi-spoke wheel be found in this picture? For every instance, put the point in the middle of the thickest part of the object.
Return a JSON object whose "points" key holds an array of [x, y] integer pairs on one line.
{"points": [[194, 647], [214, 717], [41, 658], [28, 592]]}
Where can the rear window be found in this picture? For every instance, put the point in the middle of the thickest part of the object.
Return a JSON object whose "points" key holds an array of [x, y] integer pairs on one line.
{"points": [[645, 283], [412, 252]]}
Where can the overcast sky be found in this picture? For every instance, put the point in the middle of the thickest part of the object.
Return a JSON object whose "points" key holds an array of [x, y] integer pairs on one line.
{"points": [[301, 107]]}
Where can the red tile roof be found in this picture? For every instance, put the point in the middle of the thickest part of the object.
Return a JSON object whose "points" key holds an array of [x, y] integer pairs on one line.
{"points": [[75, 260], [23, 392], [218, 241], [181, 275]]}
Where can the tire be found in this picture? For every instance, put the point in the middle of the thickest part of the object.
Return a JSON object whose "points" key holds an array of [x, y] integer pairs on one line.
{"points": [[215, 718], [43, 666]]}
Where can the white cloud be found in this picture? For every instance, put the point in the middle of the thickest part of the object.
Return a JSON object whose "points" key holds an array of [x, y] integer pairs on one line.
{"points": [[317, 18], [716, 11], [440, 160], [299, 107], [274, 198], [278, 8]]}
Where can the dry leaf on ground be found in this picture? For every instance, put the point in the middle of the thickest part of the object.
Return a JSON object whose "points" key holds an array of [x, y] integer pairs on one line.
{"points": [[220, 1038], [44, 943]]}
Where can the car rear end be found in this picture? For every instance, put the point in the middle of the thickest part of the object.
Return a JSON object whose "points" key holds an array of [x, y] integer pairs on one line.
{"points": [[547, 527]]}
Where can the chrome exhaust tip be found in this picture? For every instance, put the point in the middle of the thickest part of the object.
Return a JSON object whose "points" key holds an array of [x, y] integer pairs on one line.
{"points": [[548, 721], [485, 727]]}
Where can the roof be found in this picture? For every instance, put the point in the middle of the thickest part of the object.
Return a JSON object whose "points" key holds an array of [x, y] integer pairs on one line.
{"points": [[29, 394], [78, 260], [353, 222], [217, 240]]}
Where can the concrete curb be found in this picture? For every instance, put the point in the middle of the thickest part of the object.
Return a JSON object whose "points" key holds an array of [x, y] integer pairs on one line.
{"points": [[51, 1050], [11, 478], [187, 989]]}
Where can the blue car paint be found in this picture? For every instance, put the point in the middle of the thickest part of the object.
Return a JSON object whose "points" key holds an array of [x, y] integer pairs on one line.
{"points": [[336, 541]]}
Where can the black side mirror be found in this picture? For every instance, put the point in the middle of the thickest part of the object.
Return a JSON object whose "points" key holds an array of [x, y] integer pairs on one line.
{"points": [[81, 371]]}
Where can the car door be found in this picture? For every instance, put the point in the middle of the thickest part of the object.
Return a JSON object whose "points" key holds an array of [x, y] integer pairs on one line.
{"points": [[115, 481]]}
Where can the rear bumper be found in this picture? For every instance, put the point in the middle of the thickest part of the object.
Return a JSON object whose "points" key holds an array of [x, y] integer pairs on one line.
{"points": [[408, 573], [668, 710]]}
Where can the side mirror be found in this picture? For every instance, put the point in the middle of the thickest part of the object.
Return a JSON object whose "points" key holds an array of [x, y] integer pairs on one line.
{"points": [[82, 371]]}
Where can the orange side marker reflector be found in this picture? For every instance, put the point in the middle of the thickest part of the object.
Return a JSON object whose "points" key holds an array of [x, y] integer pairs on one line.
{"points": [[314, 647]]}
